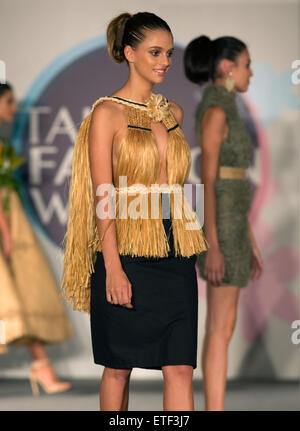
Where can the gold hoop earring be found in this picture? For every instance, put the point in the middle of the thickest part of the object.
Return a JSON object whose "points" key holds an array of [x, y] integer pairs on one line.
{"points": [[230, 82]]}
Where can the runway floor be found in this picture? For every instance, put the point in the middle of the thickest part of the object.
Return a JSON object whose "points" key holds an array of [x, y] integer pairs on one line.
{"points": [[15, 395]]}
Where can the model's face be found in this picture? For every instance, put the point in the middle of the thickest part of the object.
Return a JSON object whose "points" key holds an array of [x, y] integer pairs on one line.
{"points": [[8, 106], [152, 58], [241, 71]]}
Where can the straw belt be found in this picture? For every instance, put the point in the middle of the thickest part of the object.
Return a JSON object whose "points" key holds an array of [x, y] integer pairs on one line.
{"points": [[230, 172], [143, 189], [153, 188]]}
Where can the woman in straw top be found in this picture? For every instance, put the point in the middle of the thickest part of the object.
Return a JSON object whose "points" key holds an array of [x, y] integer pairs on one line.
{"points": [[31, 311], [225, 155], [135, 273]]}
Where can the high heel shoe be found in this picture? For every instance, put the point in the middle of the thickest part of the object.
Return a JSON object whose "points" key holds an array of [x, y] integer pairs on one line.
{"points": [[35, 379]]}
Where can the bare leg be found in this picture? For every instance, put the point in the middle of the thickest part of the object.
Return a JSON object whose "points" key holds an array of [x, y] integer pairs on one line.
{"points": [[178, 389], [37, 350], [220, 323], [42, 369], [126, 396], [114, 389]]}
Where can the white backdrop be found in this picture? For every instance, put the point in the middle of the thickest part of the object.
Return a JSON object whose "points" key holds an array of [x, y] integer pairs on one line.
{"points": [[33, 33]]}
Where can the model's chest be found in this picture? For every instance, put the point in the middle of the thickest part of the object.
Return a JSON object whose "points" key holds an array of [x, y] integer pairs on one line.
{"points": [[145, 151], [140, 154], [158, 132]]}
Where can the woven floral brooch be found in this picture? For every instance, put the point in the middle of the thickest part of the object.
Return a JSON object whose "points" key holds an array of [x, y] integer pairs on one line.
{"points": [[158, 107]]}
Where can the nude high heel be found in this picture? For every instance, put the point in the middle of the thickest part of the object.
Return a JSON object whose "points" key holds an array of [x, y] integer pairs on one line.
{"points": [[34, 386], [36, 380]]}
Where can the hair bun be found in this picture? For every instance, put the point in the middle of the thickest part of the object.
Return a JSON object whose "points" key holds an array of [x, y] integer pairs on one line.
{"points": [[199, 59], [120, 33], [114, 35]]}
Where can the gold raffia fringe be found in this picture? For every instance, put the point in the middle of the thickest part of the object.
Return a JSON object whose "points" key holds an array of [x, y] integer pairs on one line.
{"points": [[141, 236], [80, 240], [137, 237], [146, 236]]}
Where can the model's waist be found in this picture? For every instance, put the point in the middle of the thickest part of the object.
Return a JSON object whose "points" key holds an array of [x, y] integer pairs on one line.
{"points": [[153, 188], [231, 172]]}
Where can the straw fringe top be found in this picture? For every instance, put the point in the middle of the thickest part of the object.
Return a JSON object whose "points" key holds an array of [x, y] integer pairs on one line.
{"points": [[139, 163]]}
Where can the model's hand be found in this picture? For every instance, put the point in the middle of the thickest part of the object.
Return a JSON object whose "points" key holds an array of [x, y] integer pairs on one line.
{"points": [[118, 288], [7, 244], [214, 268], [256, 264]]}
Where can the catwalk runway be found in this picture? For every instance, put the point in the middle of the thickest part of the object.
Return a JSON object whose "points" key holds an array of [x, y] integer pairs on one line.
{"points": [[15, 394]]}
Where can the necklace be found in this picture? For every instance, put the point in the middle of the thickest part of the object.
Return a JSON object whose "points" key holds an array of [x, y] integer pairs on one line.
{"points": [[130, 101], [157, 106]]}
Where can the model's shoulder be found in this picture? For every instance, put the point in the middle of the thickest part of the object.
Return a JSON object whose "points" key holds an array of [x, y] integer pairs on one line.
{"points": [[106, 109], [177, 111], [215, 113], [213, 102], [107, 105], [107, 115]]}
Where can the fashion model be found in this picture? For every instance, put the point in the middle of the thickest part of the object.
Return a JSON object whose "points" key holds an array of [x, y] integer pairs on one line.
{"points": [[135, 273], [31, 311], [233, 256]]}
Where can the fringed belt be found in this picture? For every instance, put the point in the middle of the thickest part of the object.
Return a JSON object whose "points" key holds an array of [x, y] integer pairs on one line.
{"points": [[154, 188], [143, 189], [230, 172]]}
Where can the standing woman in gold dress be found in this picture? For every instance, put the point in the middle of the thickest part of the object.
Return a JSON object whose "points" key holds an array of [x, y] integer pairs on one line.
{"points": [[233, 256], [31, 312]]}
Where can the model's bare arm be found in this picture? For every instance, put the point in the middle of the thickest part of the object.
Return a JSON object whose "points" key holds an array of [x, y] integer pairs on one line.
{"points": [[4, 227], [213, 128], [104, 125], [213, 125], [257, 261], [177, 112], [101, 135], [5, 232]]}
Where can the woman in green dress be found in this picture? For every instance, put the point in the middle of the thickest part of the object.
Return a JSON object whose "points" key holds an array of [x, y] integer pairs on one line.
{"points": [[233, 256]]}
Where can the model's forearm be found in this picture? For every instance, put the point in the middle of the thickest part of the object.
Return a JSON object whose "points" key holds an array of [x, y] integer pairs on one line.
{"points": [[210, 225], [4, 226], [109, 244], [252, 238]]}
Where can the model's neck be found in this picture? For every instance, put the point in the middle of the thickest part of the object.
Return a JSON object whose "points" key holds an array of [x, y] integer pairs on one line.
{"points": [[137, 90], [222, 82]]}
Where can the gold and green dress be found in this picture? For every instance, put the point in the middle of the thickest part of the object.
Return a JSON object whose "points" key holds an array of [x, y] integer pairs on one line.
{"points": [[30, 306], [233, 196]]}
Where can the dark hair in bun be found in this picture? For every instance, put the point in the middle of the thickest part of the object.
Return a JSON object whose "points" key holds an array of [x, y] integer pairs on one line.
{"points": [[203, 55], [4, 88], [127, 29]]}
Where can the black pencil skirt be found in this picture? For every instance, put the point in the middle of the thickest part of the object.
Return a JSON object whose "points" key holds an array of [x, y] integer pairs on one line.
{"points": [[162, 327]]}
